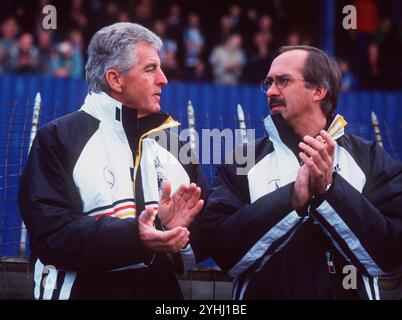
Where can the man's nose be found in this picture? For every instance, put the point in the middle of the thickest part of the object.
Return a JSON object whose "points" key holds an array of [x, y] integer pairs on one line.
{"points": [[272, 91], [162, 80]]}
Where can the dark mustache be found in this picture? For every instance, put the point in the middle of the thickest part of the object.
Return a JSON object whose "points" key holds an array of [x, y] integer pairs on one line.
{"points": [[276, 101]]}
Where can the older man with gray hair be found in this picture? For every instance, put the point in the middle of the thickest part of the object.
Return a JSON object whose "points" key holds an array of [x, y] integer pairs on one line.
{"points": [[92, 172]]}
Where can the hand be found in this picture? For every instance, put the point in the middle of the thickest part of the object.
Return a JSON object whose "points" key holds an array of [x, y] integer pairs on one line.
{"points": [[301, 194], [180, 208], [170, 241], [318, 156]]}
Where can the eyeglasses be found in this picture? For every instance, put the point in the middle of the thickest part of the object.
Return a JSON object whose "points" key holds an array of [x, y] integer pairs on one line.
{"points": [[280, 82]]}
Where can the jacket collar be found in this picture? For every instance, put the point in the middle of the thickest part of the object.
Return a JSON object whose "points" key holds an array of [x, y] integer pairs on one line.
{"points": [[124, 120], [104, 108], [111, 112], [281, 133], [278, 129]]}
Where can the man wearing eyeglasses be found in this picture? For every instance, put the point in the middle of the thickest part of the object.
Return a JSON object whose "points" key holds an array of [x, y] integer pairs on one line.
{"points": [[317, 216]]}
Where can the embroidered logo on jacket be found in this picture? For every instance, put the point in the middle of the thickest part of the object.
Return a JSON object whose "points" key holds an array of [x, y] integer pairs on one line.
{"points": [[109, 176], [160, 176], [330, 261], [275, 181]]}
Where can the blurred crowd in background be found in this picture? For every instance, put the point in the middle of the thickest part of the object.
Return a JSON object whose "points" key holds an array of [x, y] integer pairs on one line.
{"points": [[228, 42]]}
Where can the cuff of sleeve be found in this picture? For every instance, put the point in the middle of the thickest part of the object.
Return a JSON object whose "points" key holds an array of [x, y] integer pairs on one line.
{"points": [[318, 199], [301, 212], [147, 255], [330, 186], [186, 249]]}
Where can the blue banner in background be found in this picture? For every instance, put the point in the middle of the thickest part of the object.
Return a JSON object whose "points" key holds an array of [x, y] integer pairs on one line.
{"points": [[214, 106]]}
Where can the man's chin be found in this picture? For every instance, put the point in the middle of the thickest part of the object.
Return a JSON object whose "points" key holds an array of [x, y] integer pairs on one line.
{"points": [[148, 111], [276, 110]]}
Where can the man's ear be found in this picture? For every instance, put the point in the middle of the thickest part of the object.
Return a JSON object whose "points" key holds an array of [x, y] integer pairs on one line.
{"points": [[319, 93], [114, 80]]}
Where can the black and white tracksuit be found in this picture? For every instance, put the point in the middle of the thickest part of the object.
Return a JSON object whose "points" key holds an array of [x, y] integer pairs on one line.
{"points": [[274, 252], [88, 175]]}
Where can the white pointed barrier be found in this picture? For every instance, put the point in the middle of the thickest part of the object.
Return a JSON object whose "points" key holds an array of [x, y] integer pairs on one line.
{"points": [[34, 129], [191, 124], [376, 127], [242, 123]]}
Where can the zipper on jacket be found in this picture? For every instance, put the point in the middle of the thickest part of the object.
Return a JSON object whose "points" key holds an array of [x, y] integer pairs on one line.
{"points": [[169, 123]]}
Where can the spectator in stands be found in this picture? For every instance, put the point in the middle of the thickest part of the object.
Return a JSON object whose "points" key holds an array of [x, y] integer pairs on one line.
{"points": [[293, 39], [103, 13], [8, 40], [235, 16], [66, 62], [96, 178], [123, 16], [389, 41], [348, 79], [143, 12], [368, 23], [200, 73], [373, 77], [24, 12], [112, 10], [46, 50], [265, 27], [96, 15], [77, 15], [193, 39], [250, 27], [175, 23], [383, 31], [306, 40], [260, 59], [77, 41], [228, 60], [226, 29], [24, 57], [168, 51], [251, 21], [313, 204], [265, 24]]}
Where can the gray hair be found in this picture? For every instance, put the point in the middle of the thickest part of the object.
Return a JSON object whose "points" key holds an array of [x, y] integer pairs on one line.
{"points": [[114, 47]]}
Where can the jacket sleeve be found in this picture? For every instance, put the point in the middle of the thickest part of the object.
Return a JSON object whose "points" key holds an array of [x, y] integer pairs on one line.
{"points": [[240, 233], [367, 226], [197, 241], [60, 234]]}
